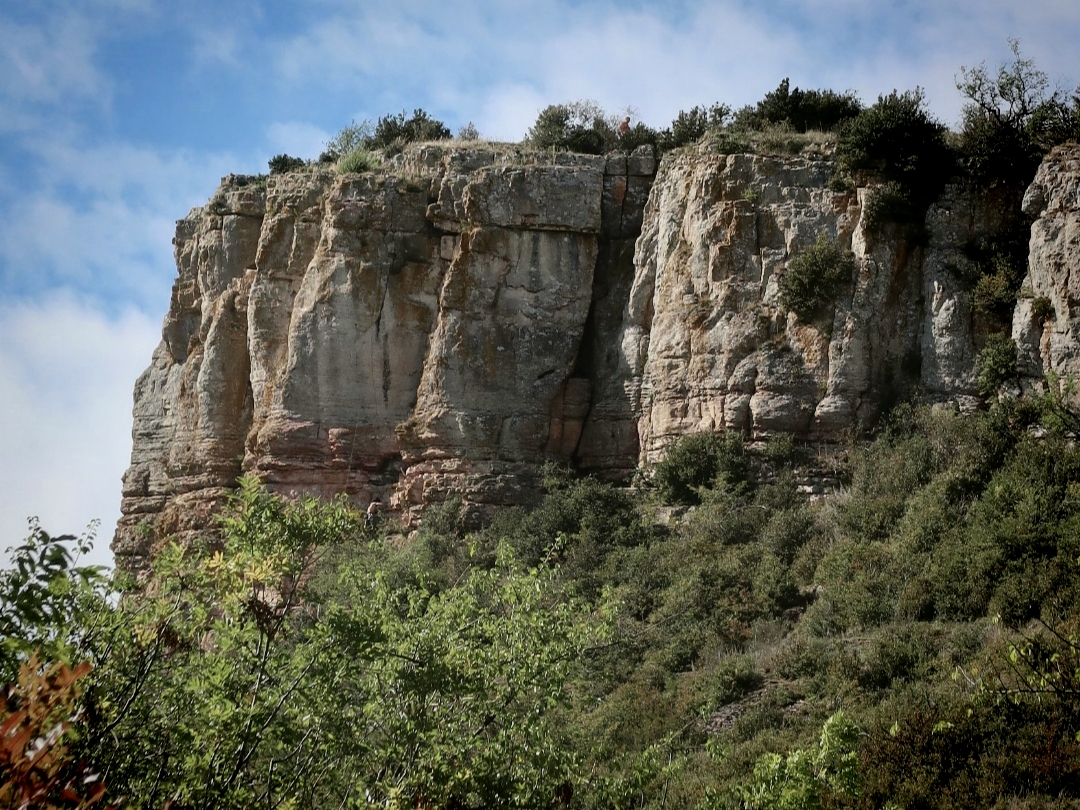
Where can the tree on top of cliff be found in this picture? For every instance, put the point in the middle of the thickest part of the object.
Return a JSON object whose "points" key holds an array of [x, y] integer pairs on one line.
{"points": [[802, 110], [691, 125], [577, 126], [393, 132], [897, 141], [1010, 121]]}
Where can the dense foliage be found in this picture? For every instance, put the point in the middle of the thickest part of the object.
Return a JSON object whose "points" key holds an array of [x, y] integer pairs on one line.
{"points": [[801, 110], [281, 164], [809, 284], [585, 127], [393, 132], [1011, 119], [589, 654], [896, 141]]}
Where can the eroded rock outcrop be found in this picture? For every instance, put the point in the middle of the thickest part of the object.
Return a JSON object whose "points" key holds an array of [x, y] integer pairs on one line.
{"points": [[707, 344], [408, 334], [447, 324], [1046, 321]]}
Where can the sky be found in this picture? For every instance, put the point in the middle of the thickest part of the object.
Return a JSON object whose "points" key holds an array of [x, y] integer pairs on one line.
{"points": [[118, 116]]}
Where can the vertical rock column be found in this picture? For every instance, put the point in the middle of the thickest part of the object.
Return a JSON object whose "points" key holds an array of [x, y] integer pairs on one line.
{"points": [[498, 375], [1048, 335], [193, 406]]}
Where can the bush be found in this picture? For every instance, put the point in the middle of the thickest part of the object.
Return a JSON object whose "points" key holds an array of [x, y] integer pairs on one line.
{"points": [[469, 132], [281, 164], [360, 159], [996, 364], [889, 203], [896, 140], [583, 127], [802, 110], [1043, 309], [1002, 263], [995, 293], [691, 125], [699, 460], [352, 137], [1009, 121], [393, 132], [809, 285]]}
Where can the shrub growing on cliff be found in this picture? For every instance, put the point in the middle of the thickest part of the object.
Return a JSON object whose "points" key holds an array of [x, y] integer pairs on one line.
{"points": [[281, 164], [393, 132], [896, 140], [351, 137], [359, 159], [809, 285], [578, 126], [996, 364], [1010, 120], [801, 110], [691, 125], [699, 460]]}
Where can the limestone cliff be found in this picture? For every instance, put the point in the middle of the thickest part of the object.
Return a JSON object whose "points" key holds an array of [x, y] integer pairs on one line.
{"points": [[445, 325]]}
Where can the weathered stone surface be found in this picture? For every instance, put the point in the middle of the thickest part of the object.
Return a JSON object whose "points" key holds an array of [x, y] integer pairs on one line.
{"points": [[447, 324], [405, 334], [706, 344], [1053, 200]]}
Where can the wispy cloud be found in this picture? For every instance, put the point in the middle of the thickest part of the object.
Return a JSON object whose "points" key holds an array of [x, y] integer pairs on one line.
{"points": [[100, 220], [65, 369], [297, 138], [496, 64]]}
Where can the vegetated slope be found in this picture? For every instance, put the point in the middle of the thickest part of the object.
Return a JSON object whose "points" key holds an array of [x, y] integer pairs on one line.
{"points": [[687, 643]]}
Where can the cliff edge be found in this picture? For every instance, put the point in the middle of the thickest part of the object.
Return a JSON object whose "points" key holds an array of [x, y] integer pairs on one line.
{"points": [[445, 325]]}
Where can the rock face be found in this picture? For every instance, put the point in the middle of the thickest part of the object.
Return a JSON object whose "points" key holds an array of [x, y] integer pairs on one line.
{"points": [[431, 329], [707, 345], [1048, 336], [446, 325]]}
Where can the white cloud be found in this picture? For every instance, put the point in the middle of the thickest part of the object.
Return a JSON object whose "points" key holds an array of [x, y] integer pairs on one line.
{"points": [[483, 61], [101, 218], [297, 138], [50, 62], [67, 372]]}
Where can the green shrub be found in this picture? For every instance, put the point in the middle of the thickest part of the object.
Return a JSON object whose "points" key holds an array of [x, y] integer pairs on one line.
{"points": [[699, 460], [1002, 264], [468, 132], [281, 164], [691, 125], [358, 160], [1043, 309], [802, 110], [996, 364], [1010, 121], [994, 294], [578, 526], [896, 140], [578, 126], [889, 203], [810, 284], [393, 132], [350, 138], [799, 780]]}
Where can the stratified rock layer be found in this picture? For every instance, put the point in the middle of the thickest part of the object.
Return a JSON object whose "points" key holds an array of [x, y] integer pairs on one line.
{"points": [[446, 325]]}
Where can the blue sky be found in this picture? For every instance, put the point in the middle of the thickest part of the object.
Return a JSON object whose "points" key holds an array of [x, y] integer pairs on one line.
{"points": [[118, 116]]}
